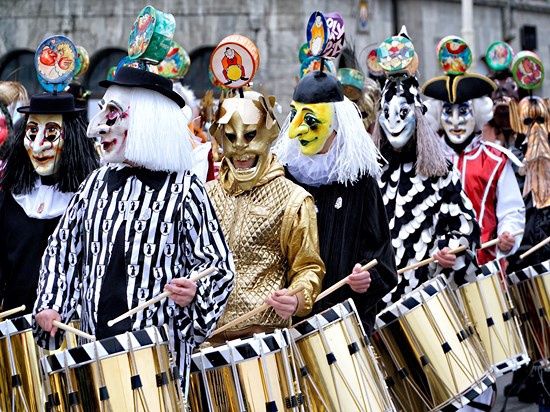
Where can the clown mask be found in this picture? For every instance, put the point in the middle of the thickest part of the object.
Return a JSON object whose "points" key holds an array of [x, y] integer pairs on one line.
{"points": [[110, 125], [398, 121], [458, 121], [44, 142], [313, 125], [247, 129]]}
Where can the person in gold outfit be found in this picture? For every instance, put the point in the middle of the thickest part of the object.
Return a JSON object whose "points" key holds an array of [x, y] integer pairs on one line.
{"points": [[269, 222]]}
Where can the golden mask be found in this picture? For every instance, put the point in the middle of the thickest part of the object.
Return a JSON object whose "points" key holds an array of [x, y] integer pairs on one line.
{"points": [[312, 125], [246, 128]]}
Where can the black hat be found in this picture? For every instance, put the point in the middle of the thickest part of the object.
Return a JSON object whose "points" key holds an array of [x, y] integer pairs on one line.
{"points": [[458, 89], [318, 87], [47, 103], [131, 77]]}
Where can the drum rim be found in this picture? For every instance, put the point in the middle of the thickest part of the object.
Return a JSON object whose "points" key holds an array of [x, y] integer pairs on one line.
{"points": [[224, 352], [55, 363], [10, 322], [529, 273], [485, 271]]}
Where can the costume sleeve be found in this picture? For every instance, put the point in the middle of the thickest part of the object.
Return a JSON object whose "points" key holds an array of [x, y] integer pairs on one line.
{"points": [[300, 243], [510, 207], [456, 226], [205, 247], [60, 271]]}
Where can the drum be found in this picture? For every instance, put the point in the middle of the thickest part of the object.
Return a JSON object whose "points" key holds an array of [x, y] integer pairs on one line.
{"points": [[21, 381], [432, 360], [530, 290], [253, 374], [339, 371], [127, 372], [492, 315]]}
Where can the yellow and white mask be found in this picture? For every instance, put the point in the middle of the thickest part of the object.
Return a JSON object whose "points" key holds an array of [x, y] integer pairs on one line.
{"points": [[313, 124], [44, 141]]}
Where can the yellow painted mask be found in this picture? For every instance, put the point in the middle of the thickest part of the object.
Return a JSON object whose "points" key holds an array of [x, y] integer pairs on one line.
{"points": [[312, 125]]}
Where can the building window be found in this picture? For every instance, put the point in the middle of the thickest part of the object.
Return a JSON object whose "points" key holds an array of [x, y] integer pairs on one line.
{"points": [[197, 77], [18, 65]]}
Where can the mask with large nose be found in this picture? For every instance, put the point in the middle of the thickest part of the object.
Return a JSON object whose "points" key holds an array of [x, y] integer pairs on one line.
{"points": [[313, 124], [44, 140], [458, 121], [110, 126]]}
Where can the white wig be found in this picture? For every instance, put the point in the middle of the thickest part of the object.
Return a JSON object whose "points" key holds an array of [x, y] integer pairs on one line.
{"points": [[482, 107], [351, 155], [158, 136]]}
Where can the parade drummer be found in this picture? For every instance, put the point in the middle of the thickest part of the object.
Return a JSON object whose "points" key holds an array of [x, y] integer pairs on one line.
{"points": [[44, 163], [460, 110], [428, 212], [139, 225], [327, 151]]}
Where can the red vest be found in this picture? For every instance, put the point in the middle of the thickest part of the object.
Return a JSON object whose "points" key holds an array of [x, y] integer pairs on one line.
{"points": [[480, 169]]}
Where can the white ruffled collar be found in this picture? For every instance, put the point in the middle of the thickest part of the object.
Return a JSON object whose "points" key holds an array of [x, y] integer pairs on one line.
{"points": [[44, 201]]}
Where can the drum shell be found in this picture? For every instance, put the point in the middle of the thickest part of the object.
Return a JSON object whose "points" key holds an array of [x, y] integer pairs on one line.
{"points": [[492, 316], [412, 338], [363, 377]]}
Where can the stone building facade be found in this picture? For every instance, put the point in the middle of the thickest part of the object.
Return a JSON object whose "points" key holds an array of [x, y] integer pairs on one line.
{"points": [[276, 26]]}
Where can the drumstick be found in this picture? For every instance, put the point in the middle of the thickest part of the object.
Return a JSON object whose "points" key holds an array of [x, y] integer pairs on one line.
{"points": [[535, 248], [157, 298], [495, 241], [77, 332], [429, 260], [12, 311], [344, 281], [253, 312]]}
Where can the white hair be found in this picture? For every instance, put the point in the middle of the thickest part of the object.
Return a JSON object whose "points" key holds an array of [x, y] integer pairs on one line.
{"points": [[351, 155], [158, 136], [482, 108]]}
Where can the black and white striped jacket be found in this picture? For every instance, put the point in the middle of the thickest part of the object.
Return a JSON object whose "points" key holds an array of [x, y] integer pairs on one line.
{"points": [[170, 231]]}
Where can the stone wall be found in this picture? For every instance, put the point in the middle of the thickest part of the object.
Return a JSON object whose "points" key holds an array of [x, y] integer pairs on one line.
{"points": [[277, 27]]}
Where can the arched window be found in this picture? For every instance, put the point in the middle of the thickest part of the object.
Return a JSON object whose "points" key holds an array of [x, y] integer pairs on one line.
{"points": [[100, 63], [197, 76], [18, 65]]}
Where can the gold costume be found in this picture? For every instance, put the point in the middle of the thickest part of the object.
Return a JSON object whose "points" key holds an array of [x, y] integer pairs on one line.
{"points": [[272, 231]]}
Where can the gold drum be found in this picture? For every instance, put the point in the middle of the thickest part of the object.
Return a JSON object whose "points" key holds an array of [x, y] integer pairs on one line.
{"points": [[128, 372], [530, 290], [252, 374], [339, 371], [489, 309], [431, 358]]}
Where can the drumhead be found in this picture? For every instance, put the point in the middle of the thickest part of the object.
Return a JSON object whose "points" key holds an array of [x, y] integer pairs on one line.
{"points": [[529, 272], [106, 348], [411, 301], [323, 319], [238, 350], [15, 326]]}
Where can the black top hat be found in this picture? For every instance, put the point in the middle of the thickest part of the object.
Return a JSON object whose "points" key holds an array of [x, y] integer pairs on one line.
{"points": [[131, 77], [458, 89], [318, 87], [47, 103]]}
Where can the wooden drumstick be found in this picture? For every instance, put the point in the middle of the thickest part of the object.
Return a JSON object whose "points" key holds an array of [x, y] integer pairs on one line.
{"points": [[495, 241], [157, 298], [12, 311], [344, 281], [429, 260], [253, 312], [535, 248], [77, 332]]}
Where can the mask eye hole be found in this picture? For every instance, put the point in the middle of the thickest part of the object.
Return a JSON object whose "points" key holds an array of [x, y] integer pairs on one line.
{"points": [[463, 110], [292, 114], [231, 137], [310, 120], [448, 110], [527, 121], [31, 132], [404, 112], [386, 112], [250, 135], [540, 120]]}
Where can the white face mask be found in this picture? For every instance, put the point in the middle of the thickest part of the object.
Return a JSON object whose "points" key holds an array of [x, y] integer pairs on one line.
{"points": [[398, 121], [110, 125], [458, 121]]}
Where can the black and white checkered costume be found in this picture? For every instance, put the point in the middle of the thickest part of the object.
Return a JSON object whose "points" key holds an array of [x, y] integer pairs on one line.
{"points": [[169, 231]]}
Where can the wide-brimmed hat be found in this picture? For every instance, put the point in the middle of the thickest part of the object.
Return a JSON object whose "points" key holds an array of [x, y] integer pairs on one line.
{"points": [[458, 89], [132, 77], [47, 103]]}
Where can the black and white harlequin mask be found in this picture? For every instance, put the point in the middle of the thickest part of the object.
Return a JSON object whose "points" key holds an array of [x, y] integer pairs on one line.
{"points": [[397, 115]]}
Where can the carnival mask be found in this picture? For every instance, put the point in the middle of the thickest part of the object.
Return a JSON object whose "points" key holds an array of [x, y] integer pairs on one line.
{"points": [[398, 121], [312, 125], [110, 125], [44, 142], [247, 128], [458, 121], [507, 90]]}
